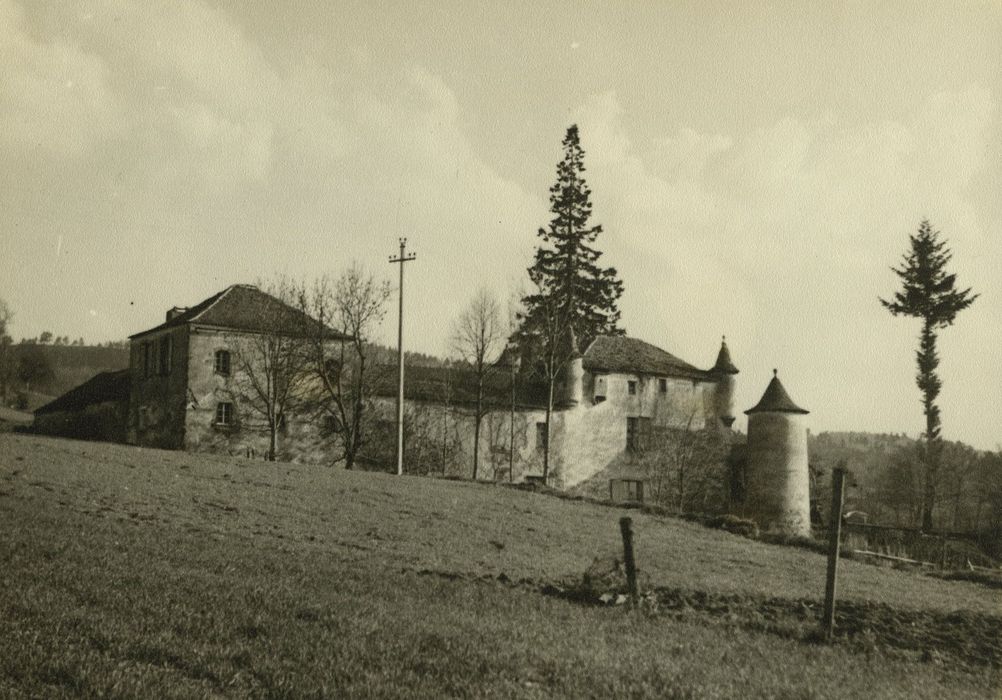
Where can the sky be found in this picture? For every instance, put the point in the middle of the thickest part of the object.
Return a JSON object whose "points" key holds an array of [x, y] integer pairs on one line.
{"points": [[757, 169]]}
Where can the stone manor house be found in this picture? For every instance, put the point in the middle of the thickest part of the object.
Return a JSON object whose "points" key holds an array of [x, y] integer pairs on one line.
{"points": [[187, 388], [182, 391]]}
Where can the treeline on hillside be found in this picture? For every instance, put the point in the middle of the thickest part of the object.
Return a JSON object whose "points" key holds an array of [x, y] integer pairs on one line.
{"points": [[383, 355], [887, 481], [47, 338], [34, 372]]}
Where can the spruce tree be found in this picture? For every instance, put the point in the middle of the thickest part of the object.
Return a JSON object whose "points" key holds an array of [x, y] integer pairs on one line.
{"points": [[929, 292], [566, 272]]}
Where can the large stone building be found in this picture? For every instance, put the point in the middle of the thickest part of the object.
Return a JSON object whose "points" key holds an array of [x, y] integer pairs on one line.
{"points": [[608, 397], [188, 387], [196, 379]]}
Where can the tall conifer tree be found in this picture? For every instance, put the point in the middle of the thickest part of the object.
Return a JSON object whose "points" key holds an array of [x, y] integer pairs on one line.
{"points": [[566, 272], [929, 292]]}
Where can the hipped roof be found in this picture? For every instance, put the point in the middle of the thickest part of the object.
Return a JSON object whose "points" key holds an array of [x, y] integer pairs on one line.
{"points": [[244, 307], [458, 386], [618, 353]]}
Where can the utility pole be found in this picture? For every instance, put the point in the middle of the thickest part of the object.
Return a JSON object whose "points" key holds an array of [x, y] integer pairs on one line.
{"points": [[404, 257]]}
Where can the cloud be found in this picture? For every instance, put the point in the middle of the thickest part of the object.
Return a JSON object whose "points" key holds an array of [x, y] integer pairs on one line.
{"points": [[214, 147], [54, 95], [782, 238], [179, 83]]}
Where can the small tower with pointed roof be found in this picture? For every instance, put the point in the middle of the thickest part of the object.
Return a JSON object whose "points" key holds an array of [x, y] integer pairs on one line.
{"points": [[723, 393], [574, 372], [777, 478]]}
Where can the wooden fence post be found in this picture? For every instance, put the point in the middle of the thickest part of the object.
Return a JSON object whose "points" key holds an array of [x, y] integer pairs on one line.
{"points": [[838, 500], [626, 527]]}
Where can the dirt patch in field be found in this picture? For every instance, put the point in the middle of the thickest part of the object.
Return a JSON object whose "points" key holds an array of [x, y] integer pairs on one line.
{"points": [[962, 637]]}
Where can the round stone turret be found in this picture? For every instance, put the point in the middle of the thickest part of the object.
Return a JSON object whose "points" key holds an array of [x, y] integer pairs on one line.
{"points": [[574, 373], [723, 392], [777, 478]]}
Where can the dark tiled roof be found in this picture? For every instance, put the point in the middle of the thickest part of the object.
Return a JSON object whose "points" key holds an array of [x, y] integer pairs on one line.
{"points": [[617, 353], [243, 307], [106, 386], [775, 399], [723, 364], [458, 385]]}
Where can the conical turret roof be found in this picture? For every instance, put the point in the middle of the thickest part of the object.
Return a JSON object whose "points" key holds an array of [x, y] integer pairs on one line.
{"points": [[573, 351], [724, 364], [775, 399]]}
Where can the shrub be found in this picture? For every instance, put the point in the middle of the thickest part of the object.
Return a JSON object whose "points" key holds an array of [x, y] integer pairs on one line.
{"points": [[734, 524]]}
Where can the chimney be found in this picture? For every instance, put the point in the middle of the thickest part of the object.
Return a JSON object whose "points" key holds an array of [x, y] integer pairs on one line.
{"points": [[175, 312]]}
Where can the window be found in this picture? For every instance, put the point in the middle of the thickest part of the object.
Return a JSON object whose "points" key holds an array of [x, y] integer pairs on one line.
{"points": [[637, 430], [541, 436], [332, 371], [165, 354], [599, 396], [223, 362], [626, 490], [634, 490], [631, 387], [663, 385], [224, 413], [147, 358]]}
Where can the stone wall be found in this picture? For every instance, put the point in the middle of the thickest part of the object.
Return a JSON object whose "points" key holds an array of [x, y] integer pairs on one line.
{"points": [[157, 399], [438, 439], [585, 438]]}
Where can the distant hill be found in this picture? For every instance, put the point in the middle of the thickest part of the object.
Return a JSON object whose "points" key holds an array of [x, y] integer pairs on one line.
{"points": [[71, 366], [864, 453], [887, 482]]}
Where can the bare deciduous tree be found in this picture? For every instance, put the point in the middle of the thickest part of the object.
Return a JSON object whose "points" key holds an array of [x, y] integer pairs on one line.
{"points": [[686, 468], [552, 344], [513, 320], [478, 337], [7, 364], [355, 305], [272, 367]]}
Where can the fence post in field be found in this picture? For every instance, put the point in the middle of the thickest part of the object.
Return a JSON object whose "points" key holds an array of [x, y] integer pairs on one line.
{"points": [[838, 500], [626, 527]]}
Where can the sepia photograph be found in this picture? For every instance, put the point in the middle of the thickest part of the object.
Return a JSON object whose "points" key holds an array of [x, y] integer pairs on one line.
{"points": [[468, 349]]}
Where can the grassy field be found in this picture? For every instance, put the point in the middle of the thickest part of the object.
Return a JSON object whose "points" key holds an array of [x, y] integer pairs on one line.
{"points": [[127, 572]]}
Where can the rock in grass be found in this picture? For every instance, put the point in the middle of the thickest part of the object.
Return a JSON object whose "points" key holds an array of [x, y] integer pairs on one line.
{"points": [[605, 575]]}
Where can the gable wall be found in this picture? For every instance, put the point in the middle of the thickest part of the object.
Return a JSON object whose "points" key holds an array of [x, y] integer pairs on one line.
{"points": [[156, 401], [593, 435]]}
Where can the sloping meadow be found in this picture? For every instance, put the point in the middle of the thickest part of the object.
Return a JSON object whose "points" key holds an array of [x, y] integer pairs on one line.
{"points": [[126, 571]]}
